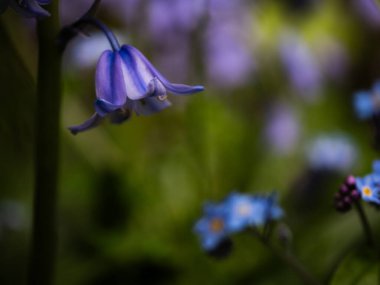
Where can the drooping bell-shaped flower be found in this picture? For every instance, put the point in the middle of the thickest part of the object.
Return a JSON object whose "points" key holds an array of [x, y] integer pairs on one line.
{"points": [[125, 82], [27, 8]]}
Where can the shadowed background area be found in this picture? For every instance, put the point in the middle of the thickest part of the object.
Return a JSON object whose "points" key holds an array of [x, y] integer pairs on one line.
{"points": [[276, 114]]}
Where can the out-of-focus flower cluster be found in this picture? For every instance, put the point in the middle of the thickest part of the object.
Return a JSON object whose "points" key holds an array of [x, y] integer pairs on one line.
{"points": [[235, 214]]}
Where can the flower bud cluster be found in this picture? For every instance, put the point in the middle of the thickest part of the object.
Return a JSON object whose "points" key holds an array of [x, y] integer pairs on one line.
{"points": [[347, 195]]}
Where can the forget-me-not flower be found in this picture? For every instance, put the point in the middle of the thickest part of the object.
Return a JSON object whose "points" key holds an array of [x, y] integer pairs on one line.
{"points": [[246, 210], [27, 8], [127, 82], [236, 213], [212, 226], [369, 185]]}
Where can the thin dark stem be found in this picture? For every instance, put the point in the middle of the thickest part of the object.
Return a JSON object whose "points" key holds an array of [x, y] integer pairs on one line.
{"points": [[70, 32], [108, 33], [289, 259], [365, 224], [44, 232]]}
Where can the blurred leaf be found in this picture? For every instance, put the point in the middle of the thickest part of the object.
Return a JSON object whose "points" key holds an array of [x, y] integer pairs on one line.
{"points": [[359, 267]]}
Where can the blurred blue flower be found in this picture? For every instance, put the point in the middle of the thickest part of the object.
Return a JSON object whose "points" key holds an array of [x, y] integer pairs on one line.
{"points": [[27, 8], [126, 81], [236, 213], [247, 210], [333, 151], [212, 226], [367, 103]]}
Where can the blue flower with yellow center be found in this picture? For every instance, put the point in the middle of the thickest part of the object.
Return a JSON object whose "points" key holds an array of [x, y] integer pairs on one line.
{"points": [[212, 226], [27, 8], [369, 185], [369, 188]]}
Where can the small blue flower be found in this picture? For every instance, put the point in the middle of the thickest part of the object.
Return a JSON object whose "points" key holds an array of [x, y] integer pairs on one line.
{"points": [[27, 8], [126, 81], [367, 103], [236, 213], [244, 210], [212, 226], [247, 210], [369, 188]]}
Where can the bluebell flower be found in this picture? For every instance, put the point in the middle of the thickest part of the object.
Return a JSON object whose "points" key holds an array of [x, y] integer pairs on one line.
{"points": [[367, 103], [212, 226], [127, 82], [27, 8]]}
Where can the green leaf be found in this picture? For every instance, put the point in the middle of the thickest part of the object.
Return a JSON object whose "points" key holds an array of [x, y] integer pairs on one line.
{"points": [[359, 267]]}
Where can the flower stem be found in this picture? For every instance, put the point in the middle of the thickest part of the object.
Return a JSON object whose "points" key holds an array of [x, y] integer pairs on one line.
{"points": [[288, 258], [365, 224], [46, 156]]}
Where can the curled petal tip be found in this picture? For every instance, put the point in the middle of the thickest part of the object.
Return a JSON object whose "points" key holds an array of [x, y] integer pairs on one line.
{"points": [[92, 122]]}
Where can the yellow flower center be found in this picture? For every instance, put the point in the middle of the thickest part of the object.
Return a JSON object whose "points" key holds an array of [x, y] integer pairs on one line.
{"points": [[367, 191], [216, 225]]}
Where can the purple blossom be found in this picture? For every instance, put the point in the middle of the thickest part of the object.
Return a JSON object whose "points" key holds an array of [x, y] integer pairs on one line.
{"points": [[282, 128], [126, 81], [369, 11], [300, 65], [228, 54]]}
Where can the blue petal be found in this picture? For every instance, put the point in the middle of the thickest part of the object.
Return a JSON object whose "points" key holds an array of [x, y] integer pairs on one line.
{"points": [[29, 9], [109, 79], [376, 166], [150, 105], [180, 89], [103, 107], [136, 74], [363, 105], [94, 121]]}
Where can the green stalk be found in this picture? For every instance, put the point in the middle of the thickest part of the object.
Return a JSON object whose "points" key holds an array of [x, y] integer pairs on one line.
{"points": [[365, 224], [44, 232], [290, 260]]}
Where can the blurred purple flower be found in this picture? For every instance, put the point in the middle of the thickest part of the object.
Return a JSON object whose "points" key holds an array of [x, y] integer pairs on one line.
{"points": [[228, 55], [27, 8], [369, 11], [282, 128], [300, 65], [126, 81], [170, 16]]}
